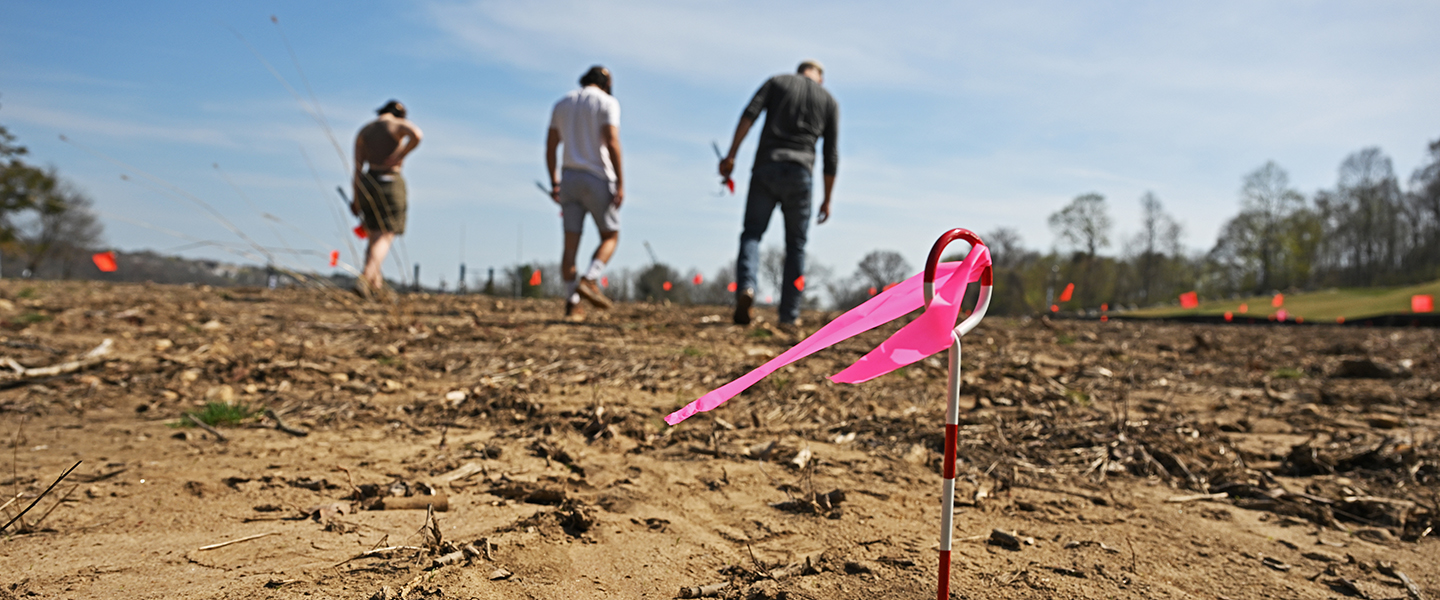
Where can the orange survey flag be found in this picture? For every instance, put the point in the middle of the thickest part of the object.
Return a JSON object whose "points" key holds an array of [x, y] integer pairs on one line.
{"points": [[1422, 303], [105, 261], [360, 232], [1069, 291], [730, 287], [699, 279], [334, 257], [800, 283], [1189, 300], [667, 286], [535, 277], [1278, 301]]}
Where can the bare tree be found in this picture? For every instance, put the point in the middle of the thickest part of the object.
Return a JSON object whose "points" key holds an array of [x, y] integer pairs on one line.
{"points": [[1085, 223], [880, 268], [1159, 236]]}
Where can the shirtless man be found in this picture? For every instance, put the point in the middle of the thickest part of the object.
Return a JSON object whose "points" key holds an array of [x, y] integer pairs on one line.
{"points": [[379, 190]]}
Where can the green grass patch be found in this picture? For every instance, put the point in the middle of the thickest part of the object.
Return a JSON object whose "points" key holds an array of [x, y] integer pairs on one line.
{"points": [[1287, 373], [1064, 339], [31, 318], [761, 332], [28, 292], [222, 414], [385, 360], [693, 351], [1322, 306], [1078, 397]]}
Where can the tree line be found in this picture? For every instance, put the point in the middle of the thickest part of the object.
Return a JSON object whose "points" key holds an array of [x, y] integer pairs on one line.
{"points": [[47, 226], [1368, 230]]}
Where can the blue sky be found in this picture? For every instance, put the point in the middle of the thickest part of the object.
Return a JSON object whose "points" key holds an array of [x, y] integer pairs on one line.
{"points": [[967, 114]]}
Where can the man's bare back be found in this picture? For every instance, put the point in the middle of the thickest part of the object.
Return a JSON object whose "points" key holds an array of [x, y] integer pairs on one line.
{"points": [[378, 143]]}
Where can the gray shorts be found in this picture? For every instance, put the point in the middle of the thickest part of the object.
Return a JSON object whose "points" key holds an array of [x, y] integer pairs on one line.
{"points": [[583, 192]]}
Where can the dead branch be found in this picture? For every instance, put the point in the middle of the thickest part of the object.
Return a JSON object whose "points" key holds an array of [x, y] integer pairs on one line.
{"points": [[236, 541], [22, 376], [42, 495], [201, 424], [282, 426], [379, 552]]}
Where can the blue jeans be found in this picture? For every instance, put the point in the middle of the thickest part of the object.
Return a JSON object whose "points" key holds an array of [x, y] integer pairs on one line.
{"points": [[788, 185]]}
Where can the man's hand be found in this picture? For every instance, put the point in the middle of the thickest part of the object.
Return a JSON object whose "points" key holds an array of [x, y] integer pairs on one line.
{"points": [[824, 212], [555, 190], [619, 195], [355, 196], [727, 166]]}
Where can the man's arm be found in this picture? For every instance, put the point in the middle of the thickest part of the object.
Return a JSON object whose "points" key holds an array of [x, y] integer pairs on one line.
{"points": [[825, 205], [610, 135], [832, 158], [552, 143], [355, 177], [412, 136], [727, 164]]}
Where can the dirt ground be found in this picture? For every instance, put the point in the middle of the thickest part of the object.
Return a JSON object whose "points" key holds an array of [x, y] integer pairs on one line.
{"points": [[1098, 460]]}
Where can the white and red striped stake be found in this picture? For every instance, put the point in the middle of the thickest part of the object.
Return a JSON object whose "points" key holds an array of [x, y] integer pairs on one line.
{"points": [[952, 408]]}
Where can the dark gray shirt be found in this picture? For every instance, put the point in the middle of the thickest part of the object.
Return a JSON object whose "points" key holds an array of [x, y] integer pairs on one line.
{"points": [[798, 111]]}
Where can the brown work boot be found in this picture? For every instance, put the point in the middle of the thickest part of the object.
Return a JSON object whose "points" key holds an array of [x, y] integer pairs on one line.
{"points": [[589, 291], [744, 307], [574, 311]]}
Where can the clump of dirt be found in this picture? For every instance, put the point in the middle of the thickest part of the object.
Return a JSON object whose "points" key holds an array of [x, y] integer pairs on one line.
{"points": [[503, 451]]}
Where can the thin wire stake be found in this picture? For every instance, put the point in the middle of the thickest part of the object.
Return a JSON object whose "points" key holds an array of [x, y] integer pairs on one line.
{"points": [[952, 395]]}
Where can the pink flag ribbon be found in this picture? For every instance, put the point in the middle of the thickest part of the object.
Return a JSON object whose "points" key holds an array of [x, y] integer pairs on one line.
{"points": [[926, 335]]}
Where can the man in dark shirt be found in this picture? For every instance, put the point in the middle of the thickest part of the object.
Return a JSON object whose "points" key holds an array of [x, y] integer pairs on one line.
{"points": [[799, 111]]}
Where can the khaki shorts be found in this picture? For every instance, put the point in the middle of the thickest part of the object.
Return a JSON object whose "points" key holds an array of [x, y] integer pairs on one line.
{"points": [[583, 193], [382, 202]]}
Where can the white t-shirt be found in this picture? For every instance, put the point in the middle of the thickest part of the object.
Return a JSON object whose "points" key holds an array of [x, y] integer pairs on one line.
{"points": [[579, 117]]}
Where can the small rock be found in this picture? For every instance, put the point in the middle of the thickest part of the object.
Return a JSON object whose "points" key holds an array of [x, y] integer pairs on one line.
{"points": [[390, 385], [857, 567], [220, 393], [802, 458], [500, 573], [169, 395], [917, 455], [1004, 539], [339, 377], [1320, 556], [212, 325], [163, 345], [1369, 368], [1376, 535]]}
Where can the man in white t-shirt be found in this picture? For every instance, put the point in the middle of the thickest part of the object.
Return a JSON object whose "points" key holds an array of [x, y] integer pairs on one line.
{"points": [[587, 122]]}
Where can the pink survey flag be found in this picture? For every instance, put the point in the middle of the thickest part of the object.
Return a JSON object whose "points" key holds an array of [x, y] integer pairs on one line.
{"points": [[931, 332]]}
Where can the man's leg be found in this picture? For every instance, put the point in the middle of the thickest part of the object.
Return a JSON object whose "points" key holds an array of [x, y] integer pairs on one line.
{"points": [[759, 205], [796, 208], [375, 254]]}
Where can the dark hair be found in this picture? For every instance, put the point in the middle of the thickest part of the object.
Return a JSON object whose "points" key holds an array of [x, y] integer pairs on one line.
{"points": [[393, 107], [597, 76]]}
